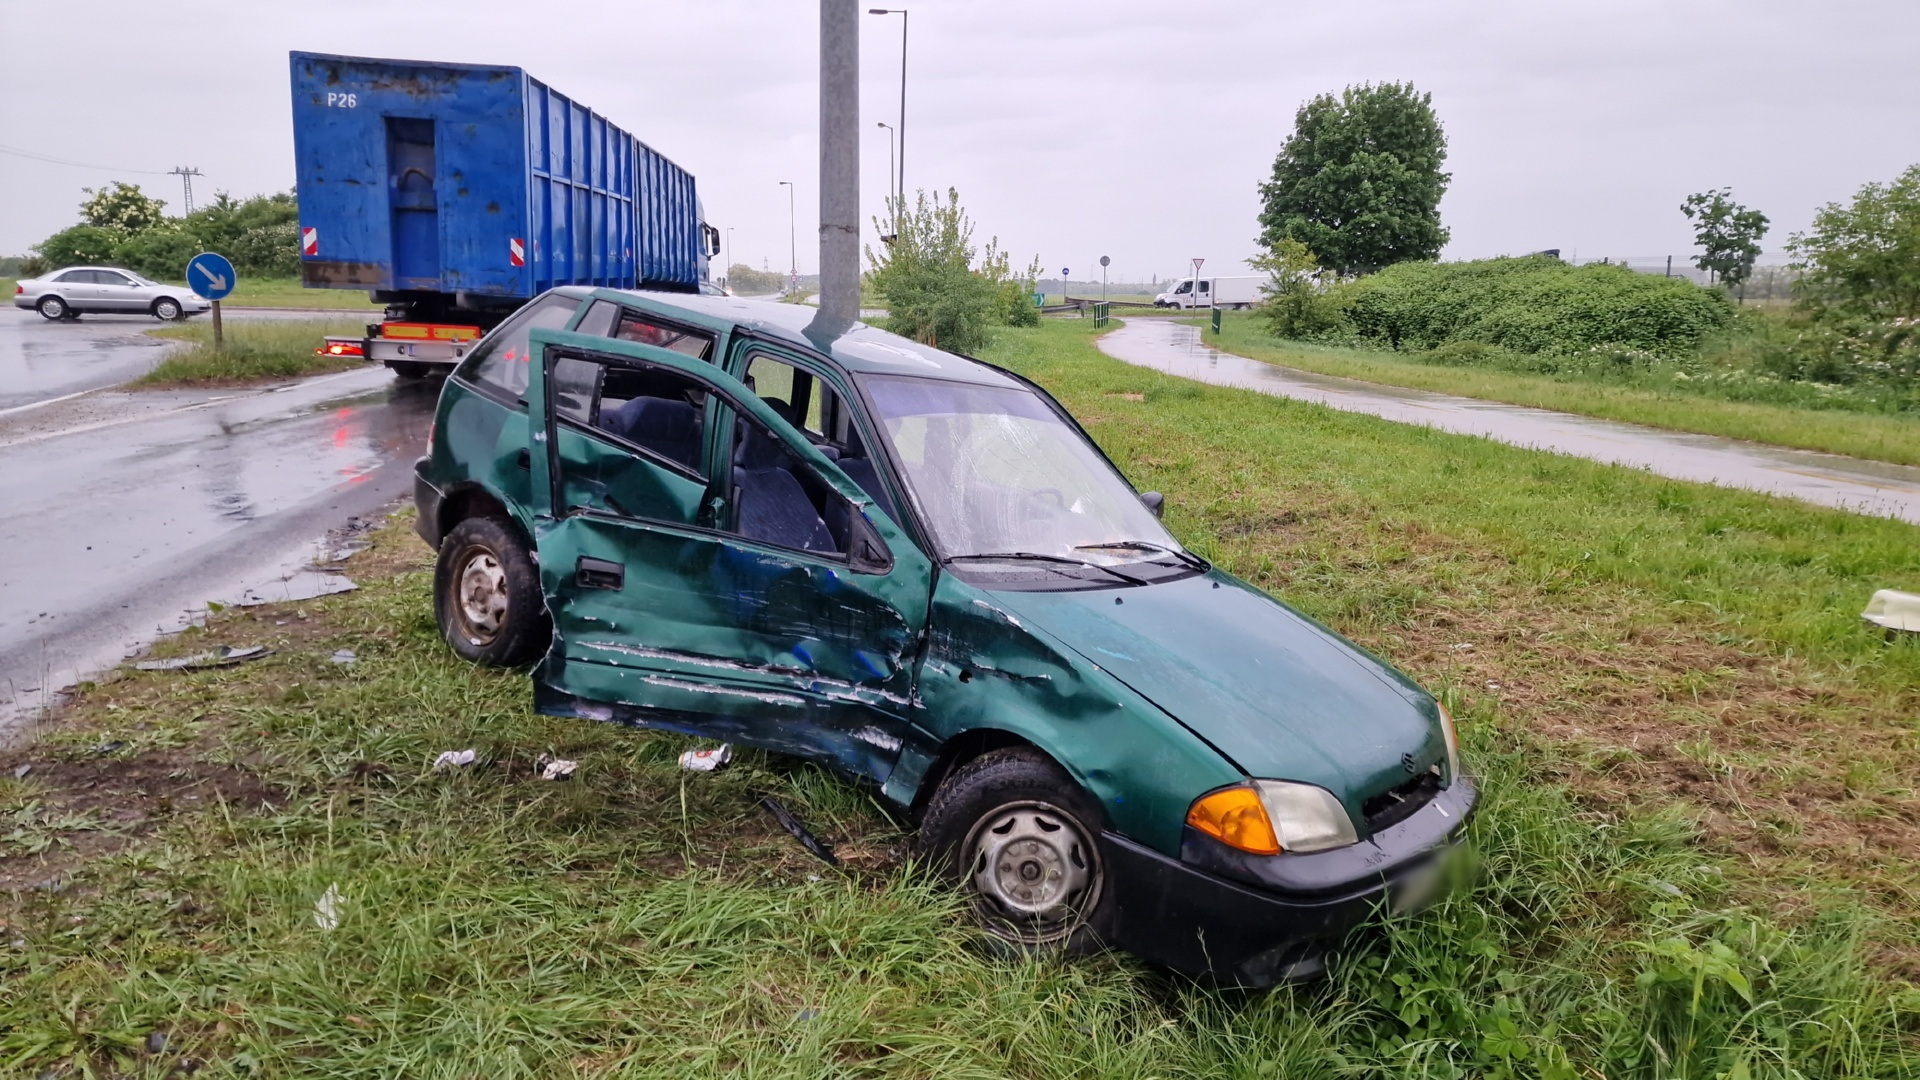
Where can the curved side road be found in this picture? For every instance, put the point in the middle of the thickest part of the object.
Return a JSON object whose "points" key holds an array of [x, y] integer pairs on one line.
{"points": [[1865, 487]]}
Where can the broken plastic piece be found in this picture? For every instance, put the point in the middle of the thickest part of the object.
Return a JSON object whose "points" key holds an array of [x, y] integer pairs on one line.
{"points": [[792, 825], [20, 771], [223, 656], [707, 760], [326, 910], [453, 759], [343, 656], [1894, 610], [553, 768]]}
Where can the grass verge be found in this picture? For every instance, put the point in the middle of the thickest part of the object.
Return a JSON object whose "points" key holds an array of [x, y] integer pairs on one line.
{"points": [[1875, 436], [253, 351], [289, 293], [1695, 843]]}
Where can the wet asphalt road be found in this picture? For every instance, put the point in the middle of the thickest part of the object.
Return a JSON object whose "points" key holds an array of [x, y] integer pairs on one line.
{"points": [[123, 510], [1827, 479]]}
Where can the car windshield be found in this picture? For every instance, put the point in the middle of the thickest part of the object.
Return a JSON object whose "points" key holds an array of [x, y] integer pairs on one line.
{"points": [[996, 471]]}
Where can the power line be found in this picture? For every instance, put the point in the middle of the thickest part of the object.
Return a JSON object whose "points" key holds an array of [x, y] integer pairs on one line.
{"points": [[17, 152]]}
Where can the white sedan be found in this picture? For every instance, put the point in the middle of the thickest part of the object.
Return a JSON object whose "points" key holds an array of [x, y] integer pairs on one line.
{"points": [[104, 290]]}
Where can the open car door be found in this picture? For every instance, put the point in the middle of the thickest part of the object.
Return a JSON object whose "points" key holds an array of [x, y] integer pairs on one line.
{"points": [[707, 568]]}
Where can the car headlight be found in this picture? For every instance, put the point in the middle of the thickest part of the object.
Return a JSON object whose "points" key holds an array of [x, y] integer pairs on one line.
{"points": [[1267, 817], [1453, 742]]}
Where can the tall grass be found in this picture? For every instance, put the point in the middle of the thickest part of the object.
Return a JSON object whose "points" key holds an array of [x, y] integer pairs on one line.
{"points": [[253, 350]]}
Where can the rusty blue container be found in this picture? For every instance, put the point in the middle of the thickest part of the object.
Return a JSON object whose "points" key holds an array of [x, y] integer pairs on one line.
{"points": [[481, 185]]}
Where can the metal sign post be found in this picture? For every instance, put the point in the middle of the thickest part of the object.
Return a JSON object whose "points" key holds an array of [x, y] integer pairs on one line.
{"points": [[1104, 261], [212, 277], [1194, 293]]}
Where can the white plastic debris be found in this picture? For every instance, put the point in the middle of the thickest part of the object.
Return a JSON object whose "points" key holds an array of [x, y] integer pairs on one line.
{"points": [[343, 656], [221, 656], [707, 760], [20, 772], [1461, 646], [1894, 610], [326, 910], [555, 768], [453, 759]]}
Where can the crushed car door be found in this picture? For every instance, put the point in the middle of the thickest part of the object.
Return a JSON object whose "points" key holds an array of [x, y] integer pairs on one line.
{"points": [[707, 569]]}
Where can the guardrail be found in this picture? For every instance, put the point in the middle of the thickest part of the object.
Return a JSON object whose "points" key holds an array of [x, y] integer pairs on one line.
{"points": [[1100, 314]]}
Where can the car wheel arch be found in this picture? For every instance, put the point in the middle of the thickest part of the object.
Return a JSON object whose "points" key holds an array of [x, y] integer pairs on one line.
{"points": [[472, 500], [974, 743]]}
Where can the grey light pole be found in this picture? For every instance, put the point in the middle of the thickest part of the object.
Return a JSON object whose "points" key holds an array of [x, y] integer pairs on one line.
{"points": [[729, 258], [793, 244], [890, 134], [902, 12]]}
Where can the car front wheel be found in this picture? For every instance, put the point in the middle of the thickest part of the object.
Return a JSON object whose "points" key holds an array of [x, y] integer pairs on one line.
{"points": [[52, 308], [1021, 838], [486, 595], [167, 309]]}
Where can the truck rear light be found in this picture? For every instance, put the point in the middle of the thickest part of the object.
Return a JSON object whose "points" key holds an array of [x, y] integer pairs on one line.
{"points": [[417, 331]]}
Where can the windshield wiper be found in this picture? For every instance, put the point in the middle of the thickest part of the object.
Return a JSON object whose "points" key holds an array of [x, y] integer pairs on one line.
{"points": [[1018, 556], [1187, 557]]}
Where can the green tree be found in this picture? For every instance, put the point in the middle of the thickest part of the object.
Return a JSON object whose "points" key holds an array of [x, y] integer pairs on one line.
{"points": [[927, 276], [121, 208], [1863, 258], [1297, 304], [1359, 180], [80, 245], [744, 280], [1727, 234]]}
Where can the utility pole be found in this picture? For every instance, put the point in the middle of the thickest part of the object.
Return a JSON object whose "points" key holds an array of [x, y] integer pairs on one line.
{"points": [[793, 244], [186, 176], [902, 12], [839, 160], [896, 210]]}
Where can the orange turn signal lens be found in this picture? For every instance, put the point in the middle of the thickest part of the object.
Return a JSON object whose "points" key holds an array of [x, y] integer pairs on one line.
{"points": [[1235, 817]]}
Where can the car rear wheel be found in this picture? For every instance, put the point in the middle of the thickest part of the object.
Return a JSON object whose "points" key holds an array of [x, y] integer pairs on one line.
{"points": [[1021, 838], [411, 369], [167, 309], [53, 309], [486, 595]]}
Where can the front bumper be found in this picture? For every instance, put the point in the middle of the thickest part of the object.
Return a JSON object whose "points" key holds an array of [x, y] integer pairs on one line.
{"points": [[1260, 920]]}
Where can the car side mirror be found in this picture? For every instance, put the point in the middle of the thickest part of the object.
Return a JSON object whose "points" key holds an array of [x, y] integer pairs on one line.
{"points": [[867, 553], [1154, 501]]}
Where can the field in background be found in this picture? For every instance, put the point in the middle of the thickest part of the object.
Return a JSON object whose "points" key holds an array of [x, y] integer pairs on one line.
{"points": [[254, 350], [1657, 400], [1697, 841]]}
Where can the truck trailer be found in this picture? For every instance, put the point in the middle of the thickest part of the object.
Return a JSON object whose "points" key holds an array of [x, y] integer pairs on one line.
{"points": [[1225, 292], [454, 193]]}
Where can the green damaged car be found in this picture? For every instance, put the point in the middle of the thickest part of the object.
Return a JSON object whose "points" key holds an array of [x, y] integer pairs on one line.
{"points": [[714, 516]]}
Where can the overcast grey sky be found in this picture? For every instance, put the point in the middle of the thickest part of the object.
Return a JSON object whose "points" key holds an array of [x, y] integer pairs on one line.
{"points": [[1128, 128]]}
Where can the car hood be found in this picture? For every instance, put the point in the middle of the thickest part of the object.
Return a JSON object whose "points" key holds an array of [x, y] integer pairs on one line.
{"points": [[1281, 696]]}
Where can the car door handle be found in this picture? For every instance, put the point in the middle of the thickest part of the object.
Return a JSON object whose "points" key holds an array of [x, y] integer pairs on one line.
{"points": [[599, 574]]}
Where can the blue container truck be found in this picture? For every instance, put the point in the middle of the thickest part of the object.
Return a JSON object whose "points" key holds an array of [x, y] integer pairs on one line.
{"points": [[454, 193]]}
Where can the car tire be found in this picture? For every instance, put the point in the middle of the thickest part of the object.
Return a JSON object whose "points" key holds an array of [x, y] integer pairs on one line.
{"points": [[1022, 840], [53, 309], [167, 309], [486, 595]]}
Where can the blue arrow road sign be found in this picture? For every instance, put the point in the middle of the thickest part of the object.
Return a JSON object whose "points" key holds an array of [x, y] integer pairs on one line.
{"points": [[211, 276]]}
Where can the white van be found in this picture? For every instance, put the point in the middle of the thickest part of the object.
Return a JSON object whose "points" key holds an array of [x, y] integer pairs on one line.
{"points": [[1226, 292]]}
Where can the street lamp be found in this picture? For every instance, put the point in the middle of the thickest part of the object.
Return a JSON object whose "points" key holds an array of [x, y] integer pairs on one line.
{"points": [[902, 12], [729, 274], [897, 208], [793, 243]]}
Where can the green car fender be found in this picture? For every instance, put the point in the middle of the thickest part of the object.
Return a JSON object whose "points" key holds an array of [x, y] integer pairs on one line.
{"points": [[985, 670]]}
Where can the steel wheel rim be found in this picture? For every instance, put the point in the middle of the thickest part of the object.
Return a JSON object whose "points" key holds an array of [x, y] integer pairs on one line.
{"points": [[480, 595], [1035, 872]]}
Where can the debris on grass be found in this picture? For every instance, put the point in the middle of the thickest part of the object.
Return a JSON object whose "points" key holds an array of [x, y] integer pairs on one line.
{"points": [[792, 825], [453, 759], [326, 910], [707, 760], [1894, 610], [343, 656], [553, 768], [222, 656]]}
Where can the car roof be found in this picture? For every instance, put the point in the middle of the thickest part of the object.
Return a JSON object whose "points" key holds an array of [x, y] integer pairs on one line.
{"points": [[859, 349]]}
